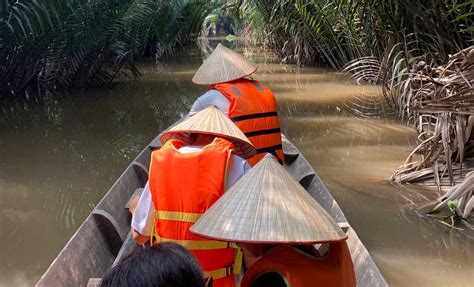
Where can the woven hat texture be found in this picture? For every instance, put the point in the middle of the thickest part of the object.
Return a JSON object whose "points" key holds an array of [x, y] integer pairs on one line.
{"points": [[268, 206], [213, 122], [223, 65]]}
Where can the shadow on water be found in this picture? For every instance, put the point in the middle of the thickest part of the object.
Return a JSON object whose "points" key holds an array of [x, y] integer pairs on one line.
{"points": [[59, 157]]}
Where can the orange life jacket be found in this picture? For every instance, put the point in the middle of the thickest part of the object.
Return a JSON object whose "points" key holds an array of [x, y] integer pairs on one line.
{"points": [[183, 186], [253, 109], [300, 269]]}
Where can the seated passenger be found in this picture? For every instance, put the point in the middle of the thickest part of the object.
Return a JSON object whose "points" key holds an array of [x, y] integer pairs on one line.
{"points": [[269, 211], [200, 158], [162, 265], [248, 103]]}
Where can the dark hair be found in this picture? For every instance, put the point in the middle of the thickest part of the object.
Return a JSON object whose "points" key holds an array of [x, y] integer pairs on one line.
{"points": [[164, 264]]}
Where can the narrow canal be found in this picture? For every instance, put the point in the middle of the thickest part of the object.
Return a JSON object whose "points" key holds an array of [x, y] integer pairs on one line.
{"points": [[58, 157]]}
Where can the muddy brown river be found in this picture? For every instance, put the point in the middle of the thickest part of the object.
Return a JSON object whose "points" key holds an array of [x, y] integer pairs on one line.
{"points": [[59, 156]]}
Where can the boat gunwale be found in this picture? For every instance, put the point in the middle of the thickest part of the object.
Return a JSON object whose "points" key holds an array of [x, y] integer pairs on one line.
{"points": [[369, 276]]}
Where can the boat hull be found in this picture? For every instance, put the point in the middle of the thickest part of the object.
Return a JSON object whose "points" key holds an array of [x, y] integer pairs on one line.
{"points": [[98, 241]]}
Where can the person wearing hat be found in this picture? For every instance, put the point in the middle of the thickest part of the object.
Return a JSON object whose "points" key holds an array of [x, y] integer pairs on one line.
{"points": [[248, 103], [270, 211], [200, 158]]}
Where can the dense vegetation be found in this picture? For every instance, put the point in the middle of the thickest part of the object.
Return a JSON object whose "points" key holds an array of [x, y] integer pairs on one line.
{"points": [[336, 32], [54, 44], [57, 44], [418, 51]]}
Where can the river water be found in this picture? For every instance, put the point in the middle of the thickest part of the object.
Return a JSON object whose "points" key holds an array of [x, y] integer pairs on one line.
{"points": [[59, 156]]}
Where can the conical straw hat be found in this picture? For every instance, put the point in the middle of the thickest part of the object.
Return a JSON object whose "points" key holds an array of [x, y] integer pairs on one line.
{"points": [[211, 121], [223, 65], [268, 206]]}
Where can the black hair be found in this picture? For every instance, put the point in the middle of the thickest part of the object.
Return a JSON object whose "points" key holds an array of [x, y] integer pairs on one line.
{"points": [[164, 264]]}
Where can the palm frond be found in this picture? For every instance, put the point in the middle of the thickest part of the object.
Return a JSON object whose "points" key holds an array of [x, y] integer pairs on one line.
{"points": [[57, 44]]}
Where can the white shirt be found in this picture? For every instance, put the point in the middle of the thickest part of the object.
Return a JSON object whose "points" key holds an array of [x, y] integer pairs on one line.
{"points": [[211, 98], [142, 220]]}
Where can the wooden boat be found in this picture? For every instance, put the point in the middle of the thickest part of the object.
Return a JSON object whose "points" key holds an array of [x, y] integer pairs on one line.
{"points": [[104, 237]]}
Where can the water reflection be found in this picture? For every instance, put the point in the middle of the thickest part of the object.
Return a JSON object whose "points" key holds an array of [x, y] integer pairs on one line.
{"points": [[59, 157], [61, 154]]}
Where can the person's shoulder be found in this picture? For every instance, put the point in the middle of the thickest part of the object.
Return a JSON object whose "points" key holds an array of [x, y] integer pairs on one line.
{"points": [[236, 157], [211, 94], [210, 98], [239, 161]]}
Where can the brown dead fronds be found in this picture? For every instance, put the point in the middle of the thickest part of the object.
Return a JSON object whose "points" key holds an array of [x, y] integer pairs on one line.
{"points": [[442, 100], [439, 102]]}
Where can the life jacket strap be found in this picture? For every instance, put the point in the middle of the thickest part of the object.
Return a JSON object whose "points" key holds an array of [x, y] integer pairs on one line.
{"points": [[208, 245], [218, 273], [263, 132], [200, 244], [254, 116], [235, 268], [177, 216]]}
